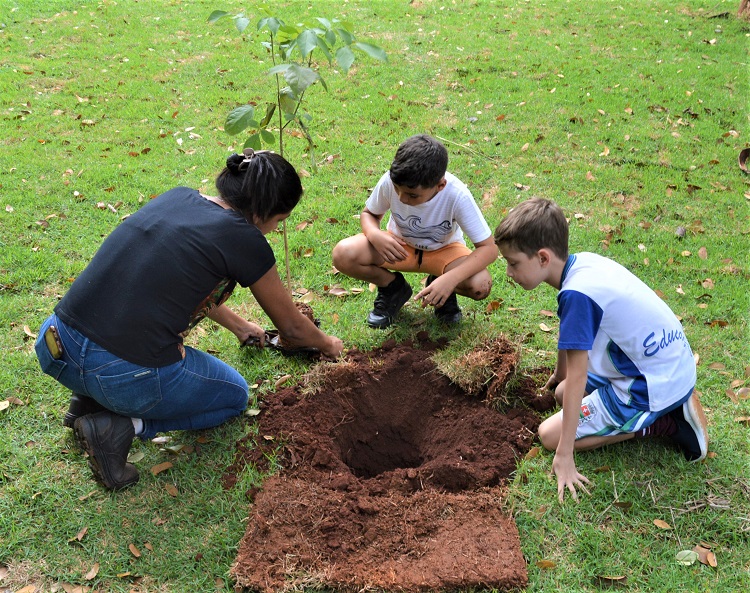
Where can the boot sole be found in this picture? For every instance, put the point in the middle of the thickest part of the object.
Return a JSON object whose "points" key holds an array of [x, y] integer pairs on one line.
{"points": [[85, 440], [695, 417]]}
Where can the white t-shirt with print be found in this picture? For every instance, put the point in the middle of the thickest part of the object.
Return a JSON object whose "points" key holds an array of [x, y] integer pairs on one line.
{"points": [[437, 223]]}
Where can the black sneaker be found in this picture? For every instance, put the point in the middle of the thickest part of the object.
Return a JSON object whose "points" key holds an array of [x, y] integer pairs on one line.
{"points": [[450, 312], [691, 435], [80, 405], [107, 437], [389, 301]]}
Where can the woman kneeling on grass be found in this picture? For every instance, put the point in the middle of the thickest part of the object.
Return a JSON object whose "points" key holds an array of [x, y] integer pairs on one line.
{"points": [[116, 338]]}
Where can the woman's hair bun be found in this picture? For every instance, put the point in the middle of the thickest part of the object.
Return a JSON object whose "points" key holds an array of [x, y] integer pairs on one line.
{"points": [[234, 161]]}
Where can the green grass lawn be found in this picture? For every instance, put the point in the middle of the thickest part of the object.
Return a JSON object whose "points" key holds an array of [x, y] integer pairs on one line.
{"points": [[630, 115]]}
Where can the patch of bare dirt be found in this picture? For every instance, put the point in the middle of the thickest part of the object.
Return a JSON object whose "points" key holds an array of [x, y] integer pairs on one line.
{"points": [[393, 478]]}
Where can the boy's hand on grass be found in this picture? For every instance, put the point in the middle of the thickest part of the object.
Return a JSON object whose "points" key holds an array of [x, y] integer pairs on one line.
{"points": [[388, 246], [564, 467]]}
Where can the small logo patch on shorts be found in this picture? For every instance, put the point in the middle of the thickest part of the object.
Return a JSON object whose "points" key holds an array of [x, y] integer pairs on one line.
{"points": [[588, 411]]}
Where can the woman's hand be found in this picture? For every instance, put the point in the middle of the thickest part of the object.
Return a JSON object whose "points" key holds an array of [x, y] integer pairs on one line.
{"points": [[335, 348], [242, 328], [251, 331]]}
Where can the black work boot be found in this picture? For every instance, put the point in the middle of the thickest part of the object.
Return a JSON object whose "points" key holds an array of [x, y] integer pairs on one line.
{"points": [[450, 312], [388, 303], [80, 405], [107, 437]]}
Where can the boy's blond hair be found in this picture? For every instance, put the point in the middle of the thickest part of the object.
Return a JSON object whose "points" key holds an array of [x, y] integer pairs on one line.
{"points": [[533, 225]]}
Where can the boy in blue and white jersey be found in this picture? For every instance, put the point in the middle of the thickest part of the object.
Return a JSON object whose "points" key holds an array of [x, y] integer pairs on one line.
{"points": [[624, 366]]}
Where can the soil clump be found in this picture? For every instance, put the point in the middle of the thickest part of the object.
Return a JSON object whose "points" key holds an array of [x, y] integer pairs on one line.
{"points": [[392, 477]]}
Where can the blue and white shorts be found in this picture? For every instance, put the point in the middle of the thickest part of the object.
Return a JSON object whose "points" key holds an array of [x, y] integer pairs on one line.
{"points": [[603, 414]]}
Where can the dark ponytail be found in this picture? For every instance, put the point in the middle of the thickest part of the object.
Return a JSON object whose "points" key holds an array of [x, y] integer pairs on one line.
{"points": [[259, 184]]}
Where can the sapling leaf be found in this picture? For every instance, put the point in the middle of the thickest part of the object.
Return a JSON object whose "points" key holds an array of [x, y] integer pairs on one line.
{"points": [[272, 23], [268, 137], [288, 101], [240, 118], [278, 69], [344, 58], [288, 30], [307, 41], [241, 23], [300, 78], [253, 142], [346, 37], [325, 22], [270, 109], [330, 36], [323, 47], [216, 15], [372, 50]]}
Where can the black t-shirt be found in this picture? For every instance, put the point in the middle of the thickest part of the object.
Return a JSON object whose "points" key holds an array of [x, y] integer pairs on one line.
{"points": [[160, 272]]}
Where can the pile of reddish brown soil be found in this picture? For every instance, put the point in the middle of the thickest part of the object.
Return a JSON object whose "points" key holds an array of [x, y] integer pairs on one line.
{"points": [[392, 478]]}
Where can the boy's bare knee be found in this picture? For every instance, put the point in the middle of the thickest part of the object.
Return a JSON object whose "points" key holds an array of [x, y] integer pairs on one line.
{"points": [[479, 287], [342, 254], [549, 434]]}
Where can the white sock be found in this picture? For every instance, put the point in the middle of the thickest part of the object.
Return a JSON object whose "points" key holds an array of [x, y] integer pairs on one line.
{"points": [[137, 425]]}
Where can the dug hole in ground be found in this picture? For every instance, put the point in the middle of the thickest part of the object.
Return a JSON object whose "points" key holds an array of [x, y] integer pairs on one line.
{"points": [[393, 477]]}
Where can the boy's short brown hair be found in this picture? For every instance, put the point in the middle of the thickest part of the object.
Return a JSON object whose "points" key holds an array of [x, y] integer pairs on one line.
{"points": [[420, 161], [533, 225]]}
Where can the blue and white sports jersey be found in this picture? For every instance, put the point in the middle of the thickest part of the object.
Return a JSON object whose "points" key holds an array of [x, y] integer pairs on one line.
{"points": [[633, 338]]}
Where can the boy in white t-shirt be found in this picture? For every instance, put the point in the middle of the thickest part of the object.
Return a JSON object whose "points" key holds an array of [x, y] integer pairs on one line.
{"points": [[430, 210], [624, 367]]}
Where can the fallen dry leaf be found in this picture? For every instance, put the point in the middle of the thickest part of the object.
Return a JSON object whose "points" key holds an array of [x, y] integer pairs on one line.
{"points": [[546, 564], [338, 291], [282, 380], [161, 467], [91, 574], [703, 253], [705, 556], [606, 581], [171, 490], [533, 452], [492, 306], [134, 551], [662, 524]]}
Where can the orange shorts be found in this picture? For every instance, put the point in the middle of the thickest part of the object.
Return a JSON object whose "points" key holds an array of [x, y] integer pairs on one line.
{"points": [[429, 262]]}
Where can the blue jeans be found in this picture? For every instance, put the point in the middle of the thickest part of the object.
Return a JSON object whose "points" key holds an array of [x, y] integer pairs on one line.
{"points": [[198, 392]]}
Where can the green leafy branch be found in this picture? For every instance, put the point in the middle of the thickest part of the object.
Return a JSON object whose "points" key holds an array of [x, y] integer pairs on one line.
{"points": [[292, 48]]}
